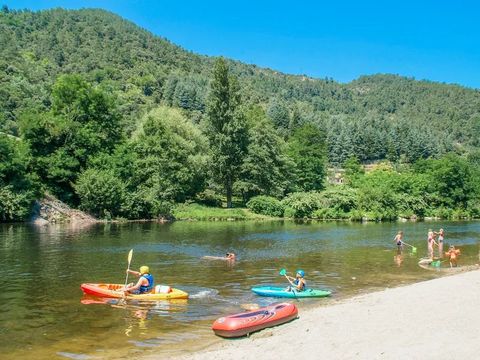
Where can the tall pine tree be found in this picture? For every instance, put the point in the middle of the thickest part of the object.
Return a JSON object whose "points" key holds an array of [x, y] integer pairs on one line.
{"points": [[227, 128]]}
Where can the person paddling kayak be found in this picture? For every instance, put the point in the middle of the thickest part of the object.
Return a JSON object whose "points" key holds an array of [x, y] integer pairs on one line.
{"points": [[298, 282], [144, 284]]}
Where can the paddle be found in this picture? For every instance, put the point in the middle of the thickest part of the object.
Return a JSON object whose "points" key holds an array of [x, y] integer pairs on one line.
{"points": [[129, 259], [130, 255], [283, 272]]}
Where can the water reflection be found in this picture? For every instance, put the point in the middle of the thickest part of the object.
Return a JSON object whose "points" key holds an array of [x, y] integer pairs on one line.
{"points": [[49, 263]]}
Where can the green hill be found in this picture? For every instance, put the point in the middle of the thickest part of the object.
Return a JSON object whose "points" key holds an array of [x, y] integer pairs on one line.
{"points": [[122, 123], [373, 117]]}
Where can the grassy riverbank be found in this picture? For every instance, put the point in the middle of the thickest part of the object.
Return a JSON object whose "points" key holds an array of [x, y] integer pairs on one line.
{"points": [[201, 212]]}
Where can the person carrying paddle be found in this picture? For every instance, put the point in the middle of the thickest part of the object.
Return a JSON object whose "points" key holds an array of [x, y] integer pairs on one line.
{"points": [[298, 282], [452, 255], [144, 284]]}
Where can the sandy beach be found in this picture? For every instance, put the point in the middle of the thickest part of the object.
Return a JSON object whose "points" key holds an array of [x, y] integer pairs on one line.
{"points": [[436, 319]]}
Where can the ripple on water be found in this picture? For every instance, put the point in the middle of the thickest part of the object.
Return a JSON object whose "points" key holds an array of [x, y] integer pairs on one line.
{"points": [[74, 356], [203, 293], [49, 265]]}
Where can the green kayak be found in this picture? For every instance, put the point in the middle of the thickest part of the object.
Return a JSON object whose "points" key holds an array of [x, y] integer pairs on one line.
{"points": [[274, 291]]}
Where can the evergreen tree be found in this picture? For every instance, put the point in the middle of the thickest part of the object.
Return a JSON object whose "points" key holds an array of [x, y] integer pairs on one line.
{"points": [[227, 128], [279, 114]]}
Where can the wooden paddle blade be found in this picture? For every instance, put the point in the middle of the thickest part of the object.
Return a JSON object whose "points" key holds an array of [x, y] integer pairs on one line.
{"points": [[130, 255]]}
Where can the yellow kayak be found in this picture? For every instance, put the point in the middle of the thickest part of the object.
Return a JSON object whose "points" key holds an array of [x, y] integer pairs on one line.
{"points": [[113, 291]]}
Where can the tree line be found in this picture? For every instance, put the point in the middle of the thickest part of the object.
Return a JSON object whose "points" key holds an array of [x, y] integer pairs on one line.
{"points": [[121, 123]]}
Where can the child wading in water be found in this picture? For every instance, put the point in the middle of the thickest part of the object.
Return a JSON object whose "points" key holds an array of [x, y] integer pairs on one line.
{"points": [[399, 241], [452, 255], [441, 237], [430, 242]]}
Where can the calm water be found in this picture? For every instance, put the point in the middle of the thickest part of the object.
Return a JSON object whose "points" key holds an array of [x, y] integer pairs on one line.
{"points": [[42, 316]]}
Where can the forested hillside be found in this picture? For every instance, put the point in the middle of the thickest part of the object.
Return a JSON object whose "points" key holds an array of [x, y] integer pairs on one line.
{"points": [[90, 95]]}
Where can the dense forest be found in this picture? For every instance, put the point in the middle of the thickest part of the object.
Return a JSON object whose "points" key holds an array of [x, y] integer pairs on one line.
{"points": [[122, 123]]}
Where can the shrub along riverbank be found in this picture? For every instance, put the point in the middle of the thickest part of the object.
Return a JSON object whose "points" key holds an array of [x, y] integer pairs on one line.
{"points": [[442, 188], [446, 188]]}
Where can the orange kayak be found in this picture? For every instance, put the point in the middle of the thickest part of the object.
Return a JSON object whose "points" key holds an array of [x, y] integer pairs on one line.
{"points": [[114, 291], [245, 323]]}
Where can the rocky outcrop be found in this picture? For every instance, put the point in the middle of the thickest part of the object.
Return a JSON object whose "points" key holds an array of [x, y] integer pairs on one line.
{"points": [[50, 210]]}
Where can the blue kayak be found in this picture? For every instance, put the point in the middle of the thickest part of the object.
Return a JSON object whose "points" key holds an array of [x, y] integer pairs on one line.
{"points": [[275, 291]]}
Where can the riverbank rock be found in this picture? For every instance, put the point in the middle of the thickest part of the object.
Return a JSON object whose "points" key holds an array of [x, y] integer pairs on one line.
{"points": [[50, 210]]}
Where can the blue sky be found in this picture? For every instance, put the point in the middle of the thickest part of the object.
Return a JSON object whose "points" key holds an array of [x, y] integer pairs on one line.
{"points": [[434, 40]]}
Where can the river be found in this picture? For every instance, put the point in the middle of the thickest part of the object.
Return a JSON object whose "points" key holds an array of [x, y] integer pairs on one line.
{"points": [[42, 315]]}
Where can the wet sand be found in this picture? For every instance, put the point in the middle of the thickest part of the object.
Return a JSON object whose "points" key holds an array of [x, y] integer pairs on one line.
{"points": [[436, 319]]}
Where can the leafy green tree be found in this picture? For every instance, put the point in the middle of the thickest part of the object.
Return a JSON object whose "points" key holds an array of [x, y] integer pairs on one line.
{"points": [[101, 193], [353, 169], [307, 148], [453, 184], [18, 186], [82, 123], [266, 170], [227, 128], [171, 157]]}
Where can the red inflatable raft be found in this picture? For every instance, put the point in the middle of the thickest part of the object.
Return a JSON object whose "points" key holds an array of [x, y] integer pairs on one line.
{"points": [[248, 322]]}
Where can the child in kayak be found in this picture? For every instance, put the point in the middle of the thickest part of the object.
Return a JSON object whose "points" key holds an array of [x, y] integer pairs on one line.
{"points": [[144, 284], [399, 241], [452, 255], [298, 282]]}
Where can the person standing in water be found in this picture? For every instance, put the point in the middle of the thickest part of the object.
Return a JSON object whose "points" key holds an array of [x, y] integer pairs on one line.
{"points": [[430, 242], [452, 255], [441, 238], [398, 240]]}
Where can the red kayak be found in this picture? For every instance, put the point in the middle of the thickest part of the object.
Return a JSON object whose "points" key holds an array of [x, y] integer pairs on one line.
{"points": [[251, 321]]}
